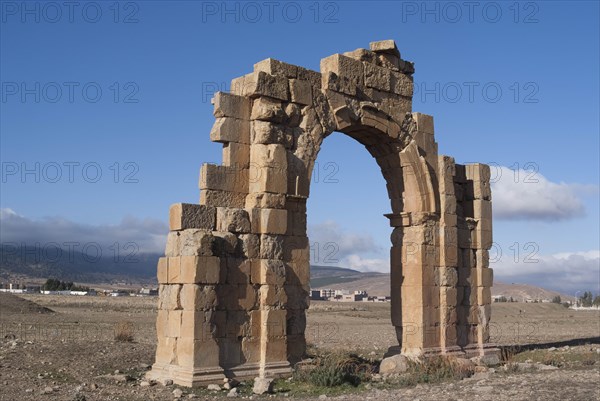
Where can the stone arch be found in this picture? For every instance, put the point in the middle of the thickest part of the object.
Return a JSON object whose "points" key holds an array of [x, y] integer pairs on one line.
{"points": [[234, 282]]}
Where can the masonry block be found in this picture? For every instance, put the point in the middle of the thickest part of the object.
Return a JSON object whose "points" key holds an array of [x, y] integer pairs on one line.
{"points": [[261, 83], [236, 155], [268, 109], [343, 66], [230, 129], [223, 178], [268, 179], [268, 271], [269, 221], [211, 197], [478, 208], [277, 68], [162, 272], [234, 220], [230, 105], [273, 295], [485, 277], [266, 133], [377, 77], [238, 270], [186, 215], [301, 91], [265, 200], [201, 270]]}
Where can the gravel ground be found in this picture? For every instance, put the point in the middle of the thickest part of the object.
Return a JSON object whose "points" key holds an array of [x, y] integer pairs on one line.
{"points": [[70, 355]]}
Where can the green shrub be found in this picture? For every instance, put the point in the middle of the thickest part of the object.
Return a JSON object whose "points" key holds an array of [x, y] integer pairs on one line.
{"points": [[436, 369], [335, 370], [433, 370], [328, 376], [512, 367], [552, 360]]}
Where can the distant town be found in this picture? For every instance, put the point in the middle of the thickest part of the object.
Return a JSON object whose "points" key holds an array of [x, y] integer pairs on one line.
{"points": [[328, 294], [56, 287]]}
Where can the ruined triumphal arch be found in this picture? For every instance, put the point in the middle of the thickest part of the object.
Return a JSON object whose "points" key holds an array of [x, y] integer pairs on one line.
{"points": [[234, 282]]}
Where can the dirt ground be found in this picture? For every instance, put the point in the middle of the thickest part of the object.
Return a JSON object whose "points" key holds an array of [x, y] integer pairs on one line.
{"points": [[71, 354]]}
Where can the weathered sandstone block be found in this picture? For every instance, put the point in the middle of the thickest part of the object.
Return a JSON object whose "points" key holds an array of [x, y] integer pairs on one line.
{"points": [[190, 242], [230, 129], [186, 215], [268, 271], [267, 109], [233, 219], [230, 105], [269, 221]]}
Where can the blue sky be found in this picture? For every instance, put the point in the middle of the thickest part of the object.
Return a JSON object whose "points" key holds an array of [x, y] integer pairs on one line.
{"points": [[511, 84]]}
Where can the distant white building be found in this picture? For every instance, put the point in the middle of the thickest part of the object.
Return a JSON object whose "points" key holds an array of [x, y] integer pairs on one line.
{"points": [[349, 298], [149, 291], [342, 295], [21, 289], [377, 299], [14, 290], [64, 292], [83, 293], [593, 307]]}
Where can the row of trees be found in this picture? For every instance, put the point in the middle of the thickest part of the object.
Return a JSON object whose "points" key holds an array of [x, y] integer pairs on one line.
{"points": [[504, 299], [587, 300], [56, 285]]}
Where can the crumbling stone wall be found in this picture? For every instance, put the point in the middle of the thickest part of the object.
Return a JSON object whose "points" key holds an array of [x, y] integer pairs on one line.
{"points": [[234, 282]]}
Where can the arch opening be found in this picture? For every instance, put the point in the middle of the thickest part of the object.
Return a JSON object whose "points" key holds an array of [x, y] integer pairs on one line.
{"points": [[378, 146]]}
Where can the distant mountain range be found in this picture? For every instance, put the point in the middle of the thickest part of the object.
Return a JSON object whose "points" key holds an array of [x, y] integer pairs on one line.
{"points": [[36, 263], [33, 263], [338, 278], [326, 276]]}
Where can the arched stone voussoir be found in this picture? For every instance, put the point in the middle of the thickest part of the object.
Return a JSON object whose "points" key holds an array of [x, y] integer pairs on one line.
{"points": [[370, 115]]}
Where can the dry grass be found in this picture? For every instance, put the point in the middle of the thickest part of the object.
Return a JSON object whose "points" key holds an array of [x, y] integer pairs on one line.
{"points": [[434, 370], [124, 332], [336, 369]]}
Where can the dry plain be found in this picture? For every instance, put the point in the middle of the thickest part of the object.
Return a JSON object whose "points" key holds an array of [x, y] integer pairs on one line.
{"points": [[71, 354]]}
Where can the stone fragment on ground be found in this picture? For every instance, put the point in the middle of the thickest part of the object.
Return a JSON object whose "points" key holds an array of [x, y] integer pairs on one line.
{"points": [[394, 364], [262, 385]]}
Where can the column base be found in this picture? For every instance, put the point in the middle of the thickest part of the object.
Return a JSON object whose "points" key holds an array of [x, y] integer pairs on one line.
{"points": [[194, 377], [189, 377], [252, 370], [469, 351], [489, 349]]}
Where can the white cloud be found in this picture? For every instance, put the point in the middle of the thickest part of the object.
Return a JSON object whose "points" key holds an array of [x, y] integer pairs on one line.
{"points": [[148, 234], [569, 272], [589, 255], [521, 194], [359, 263], [330, 232], [7, 213], [332, 245]]}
